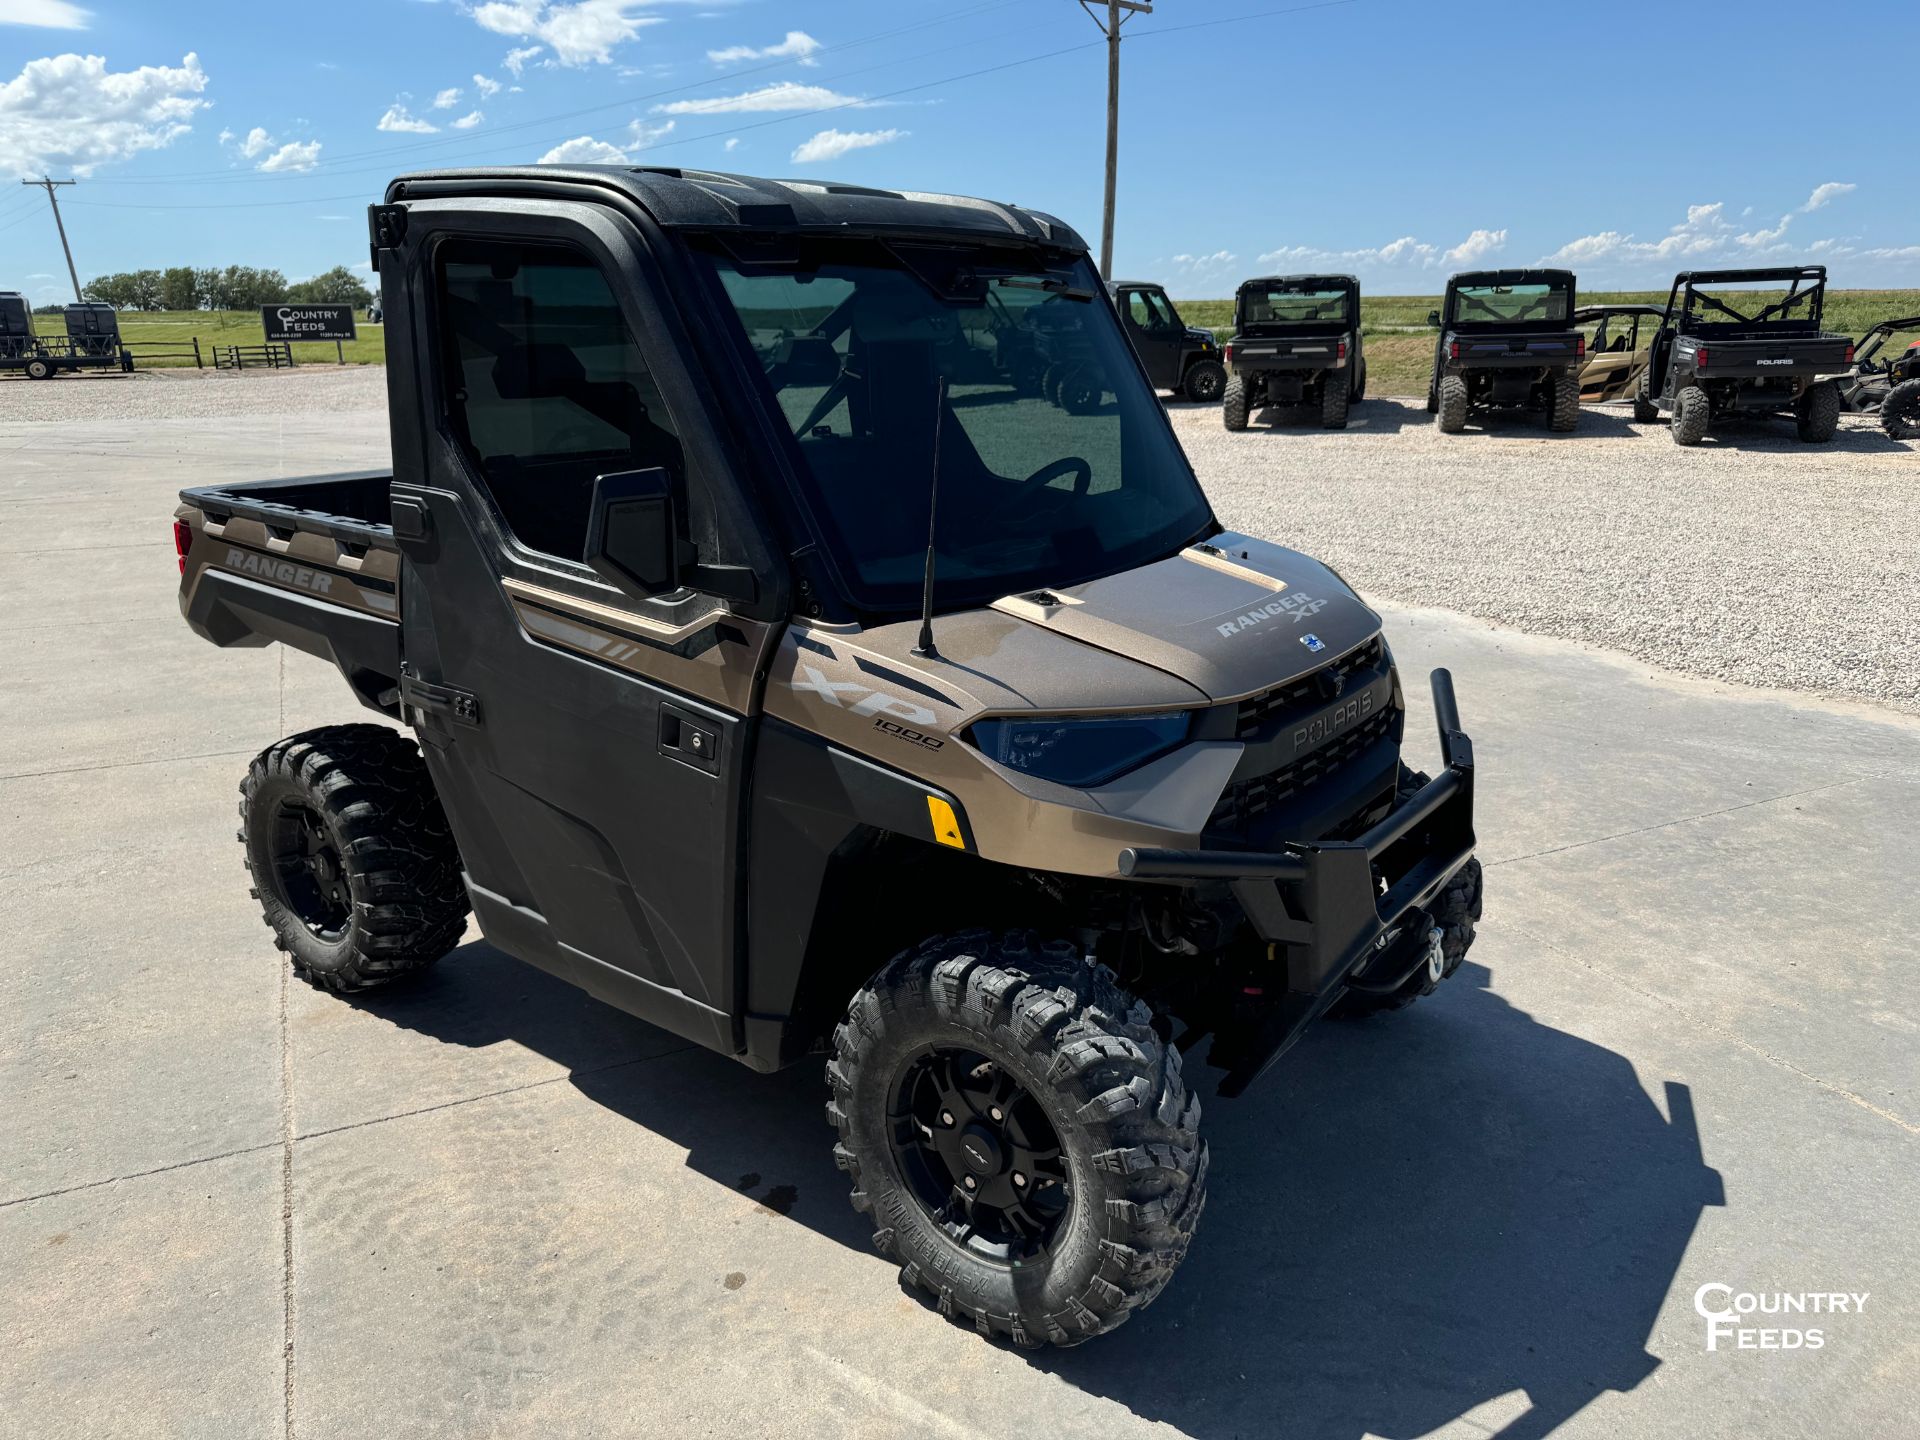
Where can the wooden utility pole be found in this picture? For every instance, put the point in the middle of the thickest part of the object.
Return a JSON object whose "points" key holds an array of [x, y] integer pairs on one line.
{"points": [[53, 200], [1118, 12]]}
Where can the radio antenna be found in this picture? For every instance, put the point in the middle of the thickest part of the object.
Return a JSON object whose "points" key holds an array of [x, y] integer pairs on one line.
{"points": [[926, 649]]}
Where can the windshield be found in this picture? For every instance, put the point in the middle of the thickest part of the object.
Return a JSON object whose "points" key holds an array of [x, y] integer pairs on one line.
{"points": [[1056, 464], [1546, 302], [1290, 305], [1783, 304]]}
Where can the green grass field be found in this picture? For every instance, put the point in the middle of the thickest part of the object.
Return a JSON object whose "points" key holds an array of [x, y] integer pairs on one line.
{"points": [[1398, 362], [174, 329]]}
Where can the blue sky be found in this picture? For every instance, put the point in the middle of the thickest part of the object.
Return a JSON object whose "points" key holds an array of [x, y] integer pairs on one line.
{"points": [[1396, 138]]}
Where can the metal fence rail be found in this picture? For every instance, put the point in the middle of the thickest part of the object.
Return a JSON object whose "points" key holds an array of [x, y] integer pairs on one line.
{"points": [[145, 350], [274, 355]]}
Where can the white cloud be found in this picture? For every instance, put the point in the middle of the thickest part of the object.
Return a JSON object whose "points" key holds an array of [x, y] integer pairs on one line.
{"points": [[516, 60], [257, 141], [585, 150], [296, 155], [468, 121], [447, 98], [45, 14], [226, 137], [785, 95], [581, 33], [732, 144], [400, 121], [1476, 247], [1705, 231], [69, 112], [1832, 190], [485, 86], [1215, 261], [832, 144], [797, 46]]}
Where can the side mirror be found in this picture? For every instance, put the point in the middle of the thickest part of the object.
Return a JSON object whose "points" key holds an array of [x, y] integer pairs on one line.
{"points": [[1433, 318], [631, 534]]}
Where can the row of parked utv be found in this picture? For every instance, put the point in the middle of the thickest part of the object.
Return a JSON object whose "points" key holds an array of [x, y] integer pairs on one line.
{"points": [[1727, 342]]}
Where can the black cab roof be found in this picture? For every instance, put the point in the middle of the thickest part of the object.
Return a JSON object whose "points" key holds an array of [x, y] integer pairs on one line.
{"points": [[1533, 275], [1329, 282], [714, 200]]}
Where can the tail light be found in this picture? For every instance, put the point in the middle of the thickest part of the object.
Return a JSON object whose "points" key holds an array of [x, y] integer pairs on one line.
{"points": [[1579, 347], [182, 542], [1343, 351], [1700, 358], [1453, 350], [1849, 354], [1228, 352]]}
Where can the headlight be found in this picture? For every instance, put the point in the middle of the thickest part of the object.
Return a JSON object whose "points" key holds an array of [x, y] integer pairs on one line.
{"points": [[1080, 750]]}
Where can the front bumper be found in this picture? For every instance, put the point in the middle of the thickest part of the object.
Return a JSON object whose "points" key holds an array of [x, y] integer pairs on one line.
{"points": [[1341, 914]]}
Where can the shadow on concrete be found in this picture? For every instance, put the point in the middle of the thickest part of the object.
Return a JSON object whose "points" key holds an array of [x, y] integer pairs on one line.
{"points": [[1411, 1217]]}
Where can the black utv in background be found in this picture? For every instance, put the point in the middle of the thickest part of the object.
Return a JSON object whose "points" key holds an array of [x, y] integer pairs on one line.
{"points": [[1506, 342], [1177, 356], [1745, 342], [1296, 341]]}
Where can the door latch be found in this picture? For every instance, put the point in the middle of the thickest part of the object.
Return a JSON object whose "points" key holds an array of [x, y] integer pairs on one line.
{"points": [[689, 739], [424, 697]]}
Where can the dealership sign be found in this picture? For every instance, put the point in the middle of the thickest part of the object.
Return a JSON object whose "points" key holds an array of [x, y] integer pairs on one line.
{"points": [[308, 322]]}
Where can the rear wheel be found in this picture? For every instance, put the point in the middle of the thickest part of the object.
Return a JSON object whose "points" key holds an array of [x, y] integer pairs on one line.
{"points": [[1566, 401], [1233, 403], [1817, 415], [39, 369], [1333, 401], [1359, 385], [1205, 381], [1691, 412], [1020, 1135], [1451, 407], [351, 856], [1050, 382], [1900, 412]]}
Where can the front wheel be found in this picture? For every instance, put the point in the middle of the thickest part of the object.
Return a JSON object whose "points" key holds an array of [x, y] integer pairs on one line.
{"points": [[1019, 1134], [1900, 411], [1644, 410], [1080, 391], [1817, 416], [1206, 379]]}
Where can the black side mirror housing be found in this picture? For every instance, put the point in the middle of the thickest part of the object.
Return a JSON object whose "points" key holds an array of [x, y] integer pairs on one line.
{"points": [[1433, 318], [632, 534]]}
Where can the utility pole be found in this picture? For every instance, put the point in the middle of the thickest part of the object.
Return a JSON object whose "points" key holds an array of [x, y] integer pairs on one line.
{"points": [[74, 275], [1118, 12]]}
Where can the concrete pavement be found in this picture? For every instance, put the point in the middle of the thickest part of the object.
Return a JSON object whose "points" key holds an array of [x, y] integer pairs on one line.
{"points": [[1683, 1052]]}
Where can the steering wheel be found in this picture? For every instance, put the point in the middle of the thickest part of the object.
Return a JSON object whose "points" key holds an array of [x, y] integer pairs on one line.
{"points": [[1051, 471]]}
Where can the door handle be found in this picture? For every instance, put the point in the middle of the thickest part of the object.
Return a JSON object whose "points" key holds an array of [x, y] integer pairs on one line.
{"points": [[689, 739], [450, 702]]}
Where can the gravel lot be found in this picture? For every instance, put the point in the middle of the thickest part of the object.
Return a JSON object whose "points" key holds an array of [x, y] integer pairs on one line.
{"points": [[1753, 559]]}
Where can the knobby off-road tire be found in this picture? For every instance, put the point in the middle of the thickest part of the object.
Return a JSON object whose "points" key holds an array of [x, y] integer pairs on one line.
{"points": [[1566, 402], [1456, 912], [1360, 386], [1817, 416], [1205, 381], [1233, 403], [1691, 414], [1059, 1031], [351, 857], [1080, 390], [1900, 411], [1050, 382], [1644, 410], [1450, 409], [1334, 401]]}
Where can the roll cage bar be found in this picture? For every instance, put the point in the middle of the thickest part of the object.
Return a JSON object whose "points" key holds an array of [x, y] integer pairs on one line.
{"points": [[1688, 280]]}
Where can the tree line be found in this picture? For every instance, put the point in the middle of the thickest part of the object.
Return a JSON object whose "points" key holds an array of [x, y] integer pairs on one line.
{"points": [[237, 287]]}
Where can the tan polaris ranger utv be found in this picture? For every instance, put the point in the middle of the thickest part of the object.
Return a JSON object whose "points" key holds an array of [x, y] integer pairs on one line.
{"points": [[785, 676]]}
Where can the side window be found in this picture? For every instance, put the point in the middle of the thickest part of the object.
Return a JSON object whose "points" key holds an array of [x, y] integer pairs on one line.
{"points": [[1140, 309], [545, 386]]}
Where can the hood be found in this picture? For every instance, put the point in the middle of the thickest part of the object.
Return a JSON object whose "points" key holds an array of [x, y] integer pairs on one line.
{"points": [[1199, 336], [1232, 618]]}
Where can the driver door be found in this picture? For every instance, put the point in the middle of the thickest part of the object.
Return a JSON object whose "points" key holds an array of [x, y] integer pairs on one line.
{"points": [[590, 745], [1156, 339]]}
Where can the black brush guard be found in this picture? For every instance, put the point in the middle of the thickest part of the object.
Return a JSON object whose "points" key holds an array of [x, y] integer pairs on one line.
{"points": [[1323, 906]]}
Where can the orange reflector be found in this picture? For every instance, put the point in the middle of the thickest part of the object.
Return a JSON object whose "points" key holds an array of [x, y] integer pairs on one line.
{"points": [[946, 826]]}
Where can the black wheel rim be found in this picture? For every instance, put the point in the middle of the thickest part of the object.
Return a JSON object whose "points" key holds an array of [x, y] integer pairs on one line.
{"points": [[308, 871], [980, 1154], [1208, 384]]}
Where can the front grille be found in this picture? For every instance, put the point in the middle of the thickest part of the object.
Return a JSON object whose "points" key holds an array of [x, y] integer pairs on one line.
{"points": [[1246, 800], [1309, 692]]}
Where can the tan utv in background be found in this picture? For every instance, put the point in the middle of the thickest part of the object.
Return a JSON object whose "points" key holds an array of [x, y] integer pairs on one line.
{"points": [[1618, 340]]}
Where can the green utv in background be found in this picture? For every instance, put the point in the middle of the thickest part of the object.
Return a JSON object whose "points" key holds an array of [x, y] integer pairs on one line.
{"points": [[784, 676]]}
